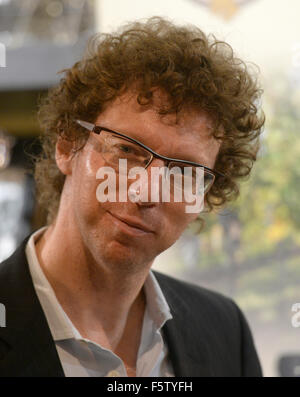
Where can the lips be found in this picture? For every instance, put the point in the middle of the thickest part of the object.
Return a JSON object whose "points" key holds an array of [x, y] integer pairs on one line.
{"points": [[133, 222]]}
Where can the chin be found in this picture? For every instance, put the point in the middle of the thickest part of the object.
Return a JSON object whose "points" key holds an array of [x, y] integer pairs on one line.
{"points": [[117, 253]]}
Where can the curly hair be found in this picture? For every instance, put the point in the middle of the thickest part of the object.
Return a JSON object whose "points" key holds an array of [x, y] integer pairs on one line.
{"points": [[195, 70]]}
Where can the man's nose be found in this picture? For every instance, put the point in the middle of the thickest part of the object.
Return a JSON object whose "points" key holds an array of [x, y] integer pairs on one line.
{"points": [[152, 185]]}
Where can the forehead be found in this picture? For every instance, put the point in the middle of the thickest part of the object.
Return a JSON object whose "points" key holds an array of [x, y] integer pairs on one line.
{"points": [[187, 136], [127, 104]]}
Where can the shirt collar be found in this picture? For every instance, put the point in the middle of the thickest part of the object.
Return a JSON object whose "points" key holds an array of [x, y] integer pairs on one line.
{"points": [[59, 323]]}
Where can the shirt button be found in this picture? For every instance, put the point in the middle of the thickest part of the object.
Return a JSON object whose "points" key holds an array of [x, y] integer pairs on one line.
{"points": [[113, 373]]}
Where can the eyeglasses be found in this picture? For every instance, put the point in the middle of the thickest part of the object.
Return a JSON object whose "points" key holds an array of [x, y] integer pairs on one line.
{"points": [[115, 146]]}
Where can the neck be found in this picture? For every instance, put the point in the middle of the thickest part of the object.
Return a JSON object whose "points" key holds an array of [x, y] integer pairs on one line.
{"points": [[89, 291]]}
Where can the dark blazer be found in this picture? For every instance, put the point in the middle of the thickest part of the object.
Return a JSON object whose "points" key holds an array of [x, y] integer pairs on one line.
{"points": [[208, 335]]}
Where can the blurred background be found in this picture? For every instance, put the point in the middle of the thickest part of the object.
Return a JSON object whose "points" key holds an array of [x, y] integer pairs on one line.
{"points": [[249, 251]]}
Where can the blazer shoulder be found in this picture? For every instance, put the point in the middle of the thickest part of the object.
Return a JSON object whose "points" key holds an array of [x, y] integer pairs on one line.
{"points": [[193, 294], [14, 272], [219, 319]]}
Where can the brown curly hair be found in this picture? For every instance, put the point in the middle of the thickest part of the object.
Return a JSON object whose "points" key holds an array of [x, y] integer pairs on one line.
{"points": [[194, 70]]}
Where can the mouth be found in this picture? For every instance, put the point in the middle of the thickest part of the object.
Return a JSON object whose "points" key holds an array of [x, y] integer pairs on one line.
{"points": [[131, 226]]}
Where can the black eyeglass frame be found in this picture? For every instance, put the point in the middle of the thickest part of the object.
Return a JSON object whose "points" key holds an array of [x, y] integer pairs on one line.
{"points": [[97, 130]]}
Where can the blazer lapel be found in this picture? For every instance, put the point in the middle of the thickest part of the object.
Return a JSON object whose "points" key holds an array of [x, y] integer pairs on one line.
{"points": [[185, 335], [30, 348]]}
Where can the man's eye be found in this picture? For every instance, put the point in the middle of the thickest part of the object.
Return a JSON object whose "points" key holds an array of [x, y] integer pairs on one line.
{"points": [[125, 149]]}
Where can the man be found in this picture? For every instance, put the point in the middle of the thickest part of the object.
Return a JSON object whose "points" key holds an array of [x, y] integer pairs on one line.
{"points": [[80, 296]]}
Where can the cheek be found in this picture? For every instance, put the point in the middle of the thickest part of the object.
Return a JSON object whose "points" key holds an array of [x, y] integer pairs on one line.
{"points": [[85, 183]]}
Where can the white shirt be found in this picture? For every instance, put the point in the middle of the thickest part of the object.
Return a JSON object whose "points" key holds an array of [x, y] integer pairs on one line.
{"points": [[82, 357]]}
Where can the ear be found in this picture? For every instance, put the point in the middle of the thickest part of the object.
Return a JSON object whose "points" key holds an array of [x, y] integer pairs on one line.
{"points": [[64, 153]]}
